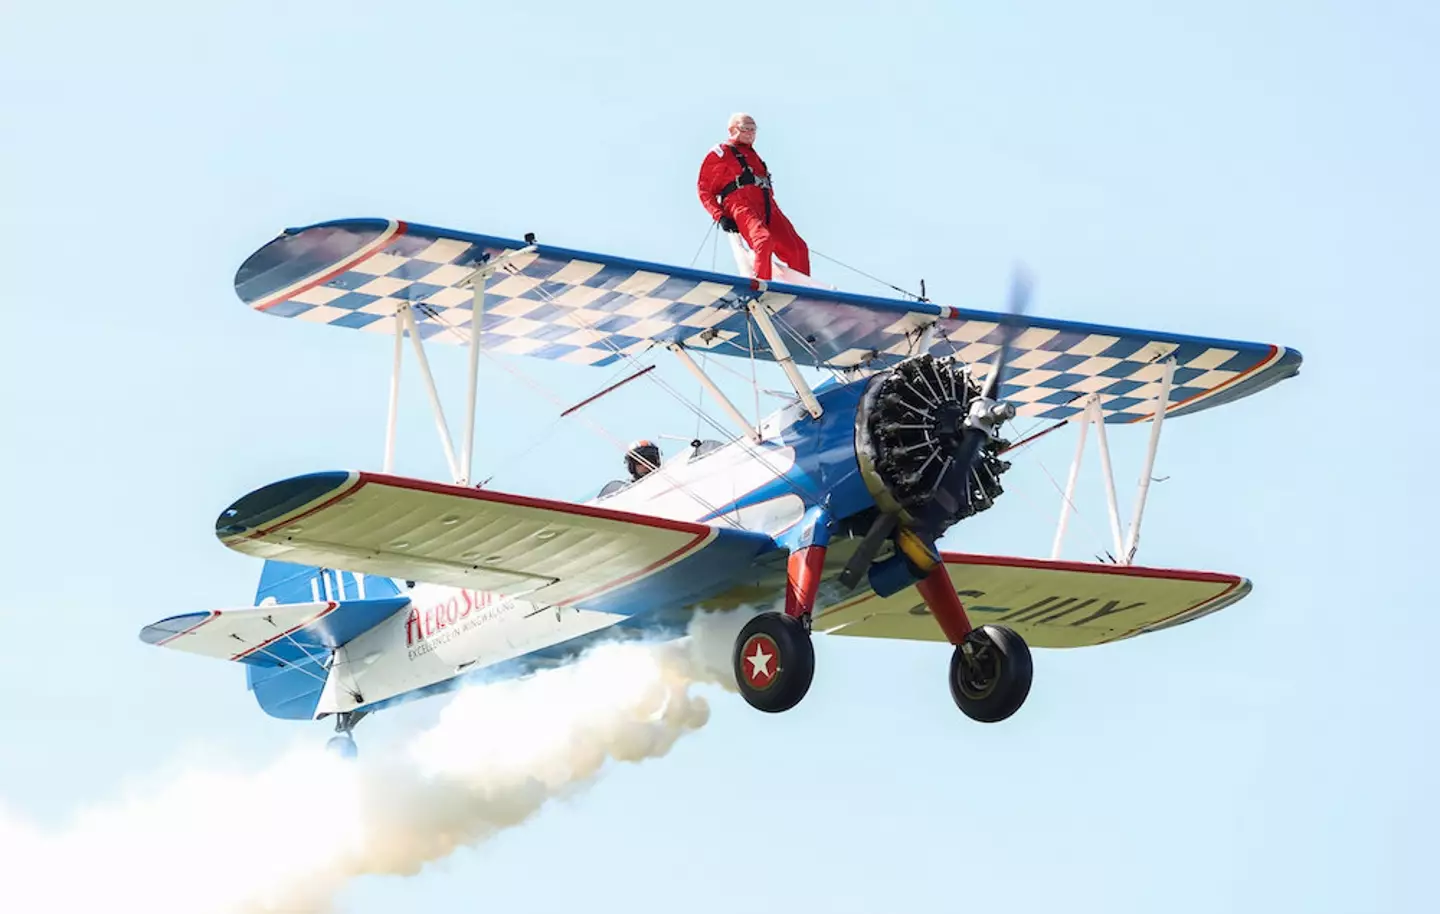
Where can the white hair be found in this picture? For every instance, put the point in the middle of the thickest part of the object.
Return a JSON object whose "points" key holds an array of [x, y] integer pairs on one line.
{"points": [[736, 118]]}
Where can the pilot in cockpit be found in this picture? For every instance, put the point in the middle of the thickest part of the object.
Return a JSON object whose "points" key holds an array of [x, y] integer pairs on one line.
{"points": [[642, 457]]}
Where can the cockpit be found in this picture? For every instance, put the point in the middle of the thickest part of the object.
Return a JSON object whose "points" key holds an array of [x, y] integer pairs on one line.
{"points": [[698, 448]]}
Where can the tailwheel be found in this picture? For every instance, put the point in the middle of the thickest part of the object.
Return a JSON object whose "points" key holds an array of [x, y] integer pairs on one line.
{"points": [[343, 746], [342, 743], [774, 661], [990, 673]]}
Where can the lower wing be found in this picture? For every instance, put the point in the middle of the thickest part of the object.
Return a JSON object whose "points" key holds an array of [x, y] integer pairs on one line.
{"points": [[1049, 603]]}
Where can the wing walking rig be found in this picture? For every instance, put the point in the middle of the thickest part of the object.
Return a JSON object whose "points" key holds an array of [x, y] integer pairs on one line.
{"points": [[830, 510]]}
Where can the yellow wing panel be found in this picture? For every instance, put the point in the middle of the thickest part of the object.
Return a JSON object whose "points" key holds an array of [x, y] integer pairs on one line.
{"points": [[1050, 604]]}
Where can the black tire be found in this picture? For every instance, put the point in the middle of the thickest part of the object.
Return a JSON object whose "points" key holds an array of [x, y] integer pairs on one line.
{"points": [[997, 682], [784, 639]]}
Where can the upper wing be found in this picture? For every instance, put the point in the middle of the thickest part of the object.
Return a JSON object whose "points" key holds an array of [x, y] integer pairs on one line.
{"points": [[550, 552], [1050, 604], [593, 309]]}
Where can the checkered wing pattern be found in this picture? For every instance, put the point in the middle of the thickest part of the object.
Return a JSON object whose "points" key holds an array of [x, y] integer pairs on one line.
{"points": [[593, 309]]}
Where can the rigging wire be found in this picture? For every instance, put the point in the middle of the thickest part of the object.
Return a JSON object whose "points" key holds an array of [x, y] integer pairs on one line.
{"points": [[1089, 523], [624, 448], [754, 378], [698, 251], [920, 297], [725, 433], [700, 394]]}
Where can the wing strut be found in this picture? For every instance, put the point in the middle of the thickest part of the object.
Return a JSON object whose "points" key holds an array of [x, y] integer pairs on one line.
{"points": [[394, 412], [1167, 378], [715, 391], [1125, 548], [440, 424], [782, 356], [461, 470], [477, 309], [477, 281], [1098, 417]]}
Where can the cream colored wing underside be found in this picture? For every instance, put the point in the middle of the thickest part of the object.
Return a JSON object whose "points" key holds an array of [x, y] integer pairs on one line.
{"points": [[1050, 604]]}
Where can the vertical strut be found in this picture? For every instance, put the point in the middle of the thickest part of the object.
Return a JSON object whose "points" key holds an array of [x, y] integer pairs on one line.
{"points": [[1167, 377], [440, 423], [477, 308], [715, 391], [1099, 418], [927, 337], [807, 564], [944, 603], [1070, 483], [394, 394], [782, 356]]}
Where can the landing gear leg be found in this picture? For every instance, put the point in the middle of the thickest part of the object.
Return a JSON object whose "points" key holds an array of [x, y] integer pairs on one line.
{"points": [[774, 660], [342, 743], [990, 671]]}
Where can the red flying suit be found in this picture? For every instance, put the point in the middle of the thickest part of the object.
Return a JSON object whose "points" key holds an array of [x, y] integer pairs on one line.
{"points": [[751, 203]]}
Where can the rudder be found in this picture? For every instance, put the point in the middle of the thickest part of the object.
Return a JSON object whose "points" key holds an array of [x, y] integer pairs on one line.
{"points": [[292, 692]]}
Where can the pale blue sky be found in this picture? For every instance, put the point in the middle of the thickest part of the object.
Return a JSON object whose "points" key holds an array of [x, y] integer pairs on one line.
{"points": [[1255, 171]]}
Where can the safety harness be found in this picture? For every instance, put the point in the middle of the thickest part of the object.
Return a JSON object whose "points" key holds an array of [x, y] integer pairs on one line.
{"points": [[746, 178]]}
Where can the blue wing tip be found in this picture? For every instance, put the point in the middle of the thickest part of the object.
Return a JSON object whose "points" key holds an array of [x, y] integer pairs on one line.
{"points": [[156, 632], [276, 500], [351, 223], [300, 253]]}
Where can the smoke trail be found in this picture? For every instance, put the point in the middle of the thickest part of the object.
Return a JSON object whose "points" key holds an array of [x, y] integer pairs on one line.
{"points": [[291, 836]]}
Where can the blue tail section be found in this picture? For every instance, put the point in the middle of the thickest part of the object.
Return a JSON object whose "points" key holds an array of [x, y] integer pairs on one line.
{"points": [[292, 691], [283, 582]]}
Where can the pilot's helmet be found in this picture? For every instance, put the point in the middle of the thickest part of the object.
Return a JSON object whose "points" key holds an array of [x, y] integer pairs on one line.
{"points": [[648, 458]]}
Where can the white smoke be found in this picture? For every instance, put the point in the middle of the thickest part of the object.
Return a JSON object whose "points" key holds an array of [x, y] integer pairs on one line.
{"points": [[290, 837]]}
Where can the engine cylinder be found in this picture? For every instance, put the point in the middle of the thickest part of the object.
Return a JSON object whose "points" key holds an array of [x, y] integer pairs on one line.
{"points": [[909, 431]]}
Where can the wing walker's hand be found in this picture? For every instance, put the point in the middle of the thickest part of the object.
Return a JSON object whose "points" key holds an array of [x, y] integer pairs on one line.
{"points": [[727, 224]]}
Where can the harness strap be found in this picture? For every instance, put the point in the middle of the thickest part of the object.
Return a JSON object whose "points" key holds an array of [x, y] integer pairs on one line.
{"points": [[747, 177]]}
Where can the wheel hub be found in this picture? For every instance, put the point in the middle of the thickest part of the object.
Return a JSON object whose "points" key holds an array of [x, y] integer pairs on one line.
{"points": [[760, 661], [980, 669]]}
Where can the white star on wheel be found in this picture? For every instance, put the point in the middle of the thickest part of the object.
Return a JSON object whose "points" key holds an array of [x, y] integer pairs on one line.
{"points": [[760, 662]]}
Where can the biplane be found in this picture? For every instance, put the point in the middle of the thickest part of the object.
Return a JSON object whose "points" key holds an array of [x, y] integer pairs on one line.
{"points": [[377, 588]]}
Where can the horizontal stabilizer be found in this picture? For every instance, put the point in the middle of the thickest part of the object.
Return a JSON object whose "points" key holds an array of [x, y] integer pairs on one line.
{"points": [[277, 635], [1048, 603]]}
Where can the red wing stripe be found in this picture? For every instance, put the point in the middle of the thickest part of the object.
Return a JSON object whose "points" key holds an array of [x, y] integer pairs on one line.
{"points": [[527, 501], [1189, 609], [214, 614], [1138, 571], [370, 250], [266, 531], [502, 498], [1263, 363]]}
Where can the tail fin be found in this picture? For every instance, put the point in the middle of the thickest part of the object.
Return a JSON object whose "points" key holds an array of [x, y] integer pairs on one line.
{"points": [[282, 582], [293, 691]]}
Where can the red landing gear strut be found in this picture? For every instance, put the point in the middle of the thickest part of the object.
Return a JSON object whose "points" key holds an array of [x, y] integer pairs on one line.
{"points": [[774, 659]]}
